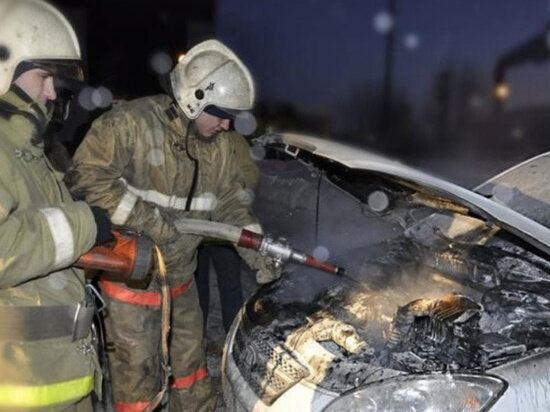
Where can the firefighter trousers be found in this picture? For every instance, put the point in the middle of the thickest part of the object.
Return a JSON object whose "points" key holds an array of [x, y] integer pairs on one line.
{"points": [[133, 329]]}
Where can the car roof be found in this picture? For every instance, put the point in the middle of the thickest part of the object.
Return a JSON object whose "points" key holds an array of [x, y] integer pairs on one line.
{"points": [[357, 158]]}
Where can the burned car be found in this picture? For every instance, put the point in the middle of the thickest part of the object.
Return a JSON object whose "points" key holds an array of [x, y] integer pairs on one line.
{"points": [[445, 304]]}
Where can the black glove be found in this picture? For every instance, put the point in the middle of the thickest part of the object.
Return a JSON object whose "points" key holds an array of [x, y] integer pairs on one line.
{"points": [[103, 223]]}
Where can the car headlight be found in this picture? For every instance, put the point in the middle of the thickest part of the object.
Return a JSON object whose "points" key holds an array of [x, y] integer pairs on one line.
{"points": [[427, 393]]}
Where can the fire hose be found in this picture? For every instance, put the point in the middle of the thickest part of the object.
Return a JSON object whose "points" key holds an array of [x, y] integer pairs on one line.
{"points": [[165, 330], [279, 250], [129, 257]]}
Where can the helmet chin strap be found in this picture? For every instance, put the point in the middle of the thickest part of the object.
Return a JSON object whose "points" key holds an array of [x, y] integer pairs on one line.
{"points": [[174, 111], [42, 119], [195, 161], [50, 107], [59, 109]]}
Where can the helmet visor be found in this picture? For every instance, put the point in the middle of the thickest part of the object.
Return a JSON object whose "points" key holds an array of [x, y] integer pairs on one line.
{"points": [[67, 74], [221, 112]]}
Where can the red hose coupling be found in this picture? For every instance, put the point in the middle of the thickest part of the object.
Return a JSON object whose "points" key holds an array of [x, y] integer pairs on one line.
{"points": [[250, 240]]}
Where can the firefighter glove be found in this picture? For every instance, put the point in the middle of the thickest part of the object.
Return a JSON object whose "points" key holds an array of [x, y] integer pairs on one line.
{"points": [[103, 223], [267, 270]]}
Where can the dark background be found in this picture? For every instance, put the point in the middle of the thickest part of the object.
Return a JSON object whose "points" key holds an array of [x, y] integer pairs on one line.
{"points": [[419, 89], [120, 37]]}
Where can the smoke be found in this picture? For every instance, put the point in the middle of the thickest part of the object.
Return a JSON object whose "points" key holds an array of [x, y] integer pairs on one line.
{"points": [[373, 308]]}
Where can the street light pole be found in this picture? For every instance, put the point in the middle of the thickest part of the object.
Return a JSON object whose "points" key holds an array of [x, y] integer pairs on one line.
{"points": [[388, 72]]}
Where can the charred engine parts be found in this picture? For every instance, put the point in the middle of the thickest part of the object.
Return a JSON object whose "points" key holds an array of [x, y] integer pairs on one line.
{"points": [[269, 367], [481, 305], [429, 319], [429, 334], [322, 327], [333, 345]]}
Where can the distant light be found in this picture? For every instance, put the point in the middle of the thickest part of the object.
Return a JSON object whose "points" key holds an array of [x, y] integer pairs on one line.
{"points": [[476, 102], [257, 152], [210, 197], [246, 196], [158, 136], [102, 97], [321, 253], [378, 201], [155, 157], [245, 123], [383, 22], [412, 41], [57, 281], [517, 133], [161, 62], [181, 57], [85, 98], [502, 91]]}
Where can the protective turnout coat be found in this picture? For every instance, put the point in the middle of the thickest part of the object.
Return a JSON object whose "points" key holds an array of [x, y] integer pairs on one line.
{"points": [[136, 162], [139, 161], [43, 363]]}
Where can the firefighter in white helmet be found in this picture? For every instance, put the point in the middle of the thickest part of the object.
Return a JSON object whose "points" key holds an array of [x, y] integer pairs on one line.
{"points": [[151, 161], [210, 74], [47, 359]]}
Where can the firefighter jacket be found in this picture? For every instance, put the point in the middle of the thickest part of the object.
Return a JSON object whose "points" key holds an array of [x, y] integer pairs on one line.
{"points": [[138, 161], [44, 361]]}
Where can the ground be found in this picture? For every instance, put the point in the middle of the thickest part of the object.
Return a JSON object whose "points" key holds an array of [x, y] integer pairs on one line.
{"points": [[214, 332]]}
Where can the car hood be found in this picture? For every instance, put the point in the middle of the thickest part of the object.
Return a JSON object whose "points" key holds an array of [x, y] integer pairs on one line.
{"points": [[355, 158]]}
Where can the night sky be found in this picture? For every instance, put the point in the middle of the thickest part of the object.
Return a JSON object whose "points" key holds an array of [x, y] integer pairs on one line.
{"points": [[319, 66], [316, 51]]}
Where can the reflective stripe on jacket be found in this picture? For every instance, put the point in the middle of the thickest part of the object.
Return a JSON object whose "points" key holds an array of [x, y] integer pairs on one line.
{"points": [[42, 232], [19, 396], [136, 162]]}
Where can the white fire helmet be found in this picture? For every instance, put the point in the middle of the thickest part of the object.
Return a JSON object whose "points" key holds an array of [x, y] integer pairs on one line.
{"points": [[34, 33], [212, 75]]}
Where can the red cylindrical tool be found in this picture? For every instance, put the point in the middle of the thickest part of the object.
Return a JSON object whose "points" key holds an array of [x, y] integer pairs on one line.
{"points": [[128, 255]]}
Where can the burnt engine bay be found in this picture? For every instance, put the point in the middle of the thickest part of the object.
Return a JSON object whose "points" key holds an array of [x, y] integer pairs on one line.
{"points": [[456, 307]]}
